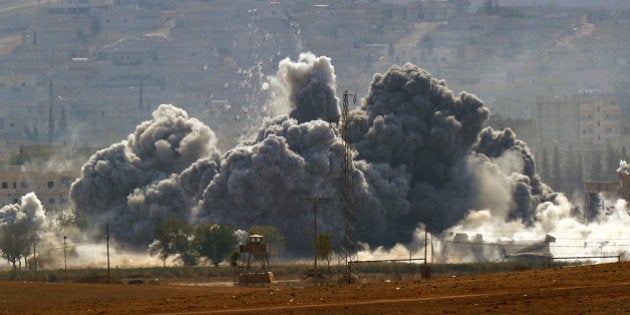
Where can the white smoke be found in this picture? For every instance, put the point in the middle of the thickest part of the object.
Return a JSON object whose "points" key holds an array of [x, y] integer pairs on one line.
{"points": [[306, 88], [608, 236], [29, 213], [132, 184]]}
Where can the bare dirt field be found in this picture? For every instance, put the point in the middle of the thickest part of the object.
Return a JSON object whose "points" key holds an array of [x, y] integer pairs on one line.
{"points": [[596, 289]]}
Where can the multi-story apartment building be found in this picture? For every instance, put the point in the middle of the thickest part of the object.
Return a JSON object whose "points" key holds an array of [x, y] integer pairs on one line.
{"points": [[51, 188], [599, 121], [585, 119]]}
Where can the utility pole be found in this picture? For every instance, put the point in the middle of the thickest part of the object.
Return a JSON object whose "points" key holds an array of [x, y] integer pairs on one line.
{"points": [[315, 200], [431, 249], [65, 265], [107, 233], [426, 233], [34, 262]]}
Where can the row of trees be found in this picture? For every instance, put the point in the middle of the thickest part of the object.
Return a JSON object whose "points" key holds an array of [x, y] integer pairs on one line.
{"points": [[567, 171], [188, 242], [218, 242], [173, 239], [21, 230], [214, 242], [21, 226], [16, 242]]}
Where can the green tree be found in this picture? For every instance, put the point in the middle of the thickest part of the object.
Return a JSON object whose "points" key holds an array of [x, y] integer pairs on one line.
{"points": [[190, 257], [544, 164], [174, 237], [95, 25], [596, 168], [580, 172], [20, 225], [16, 240], [273, 238], [215, 241], [234, 257], [556, 171], [325, 247], [571, 171]]}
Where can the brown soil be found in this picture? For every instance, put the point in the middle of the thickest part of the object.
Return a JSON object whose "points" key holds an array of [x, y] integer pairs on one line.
{"points": [[576, 290]]}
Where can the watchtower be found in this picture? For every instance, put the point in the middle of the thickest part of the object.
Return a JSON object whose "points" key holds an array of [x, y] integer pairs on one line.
{"points": [[255, 248]]}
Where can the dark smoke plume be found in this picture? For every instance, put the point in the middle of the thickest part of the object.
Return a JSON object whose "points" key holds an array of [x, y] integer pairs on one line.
{"points": [[266, 181], [421, 155], [128, 185], [411, 120]]}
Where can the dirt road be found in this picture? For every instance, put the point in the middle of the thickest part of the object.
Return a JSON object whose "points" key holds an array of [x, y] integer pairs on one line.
{"points": [[603, 289]]}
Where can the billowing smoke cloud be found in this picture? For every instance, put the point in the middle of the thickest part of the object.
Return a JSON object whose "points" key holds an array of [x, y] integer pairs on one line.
{"points": [[421, 155], [571, 237], [307, 88], [21, 225], [29, 214], [413, 122], [267, 181], [129, 185]]}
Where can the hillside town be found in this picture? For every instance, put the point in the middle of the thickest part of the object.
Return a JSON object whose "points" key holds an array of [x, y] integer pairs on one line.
{"points": [[78, 75]]}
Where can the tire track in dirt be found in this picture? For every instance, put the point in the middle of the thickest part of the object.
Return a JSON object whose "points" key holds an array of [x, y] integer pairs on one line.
{"points": [[335, 304]]}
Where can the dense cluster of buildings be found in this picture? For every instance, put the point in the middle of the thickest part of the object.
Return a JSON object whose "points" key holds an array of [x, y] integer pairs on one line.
{"points": [[84, 73]]}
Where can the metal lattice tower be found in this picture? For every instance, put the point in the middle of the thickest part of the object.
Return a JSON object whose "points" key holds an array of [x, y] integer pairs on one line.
{"points": [[348, 232]]}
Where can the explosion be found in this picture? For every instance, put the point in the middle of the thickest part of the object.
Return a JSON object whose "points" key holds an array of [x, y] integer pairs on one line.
{"points": [[421, 155]]}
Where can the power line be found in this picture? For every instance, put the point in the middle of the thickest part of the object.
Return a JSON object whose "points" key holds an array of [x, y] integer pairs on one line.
{"points": [[348, 216], [530, 244]]}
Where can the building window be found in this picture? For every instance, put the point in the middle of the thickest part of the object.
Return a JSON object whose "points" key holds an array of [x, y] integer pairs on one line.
{"points": [[611, 116], [14, 185], [65, 181], [50, 184], [24, 185], [51, 201], [5, 185]]}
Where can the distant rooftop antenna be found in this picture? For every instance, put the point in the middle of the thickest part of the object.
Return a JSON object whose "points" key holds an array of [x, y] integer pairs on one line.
{"points": [[348, 243]]}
